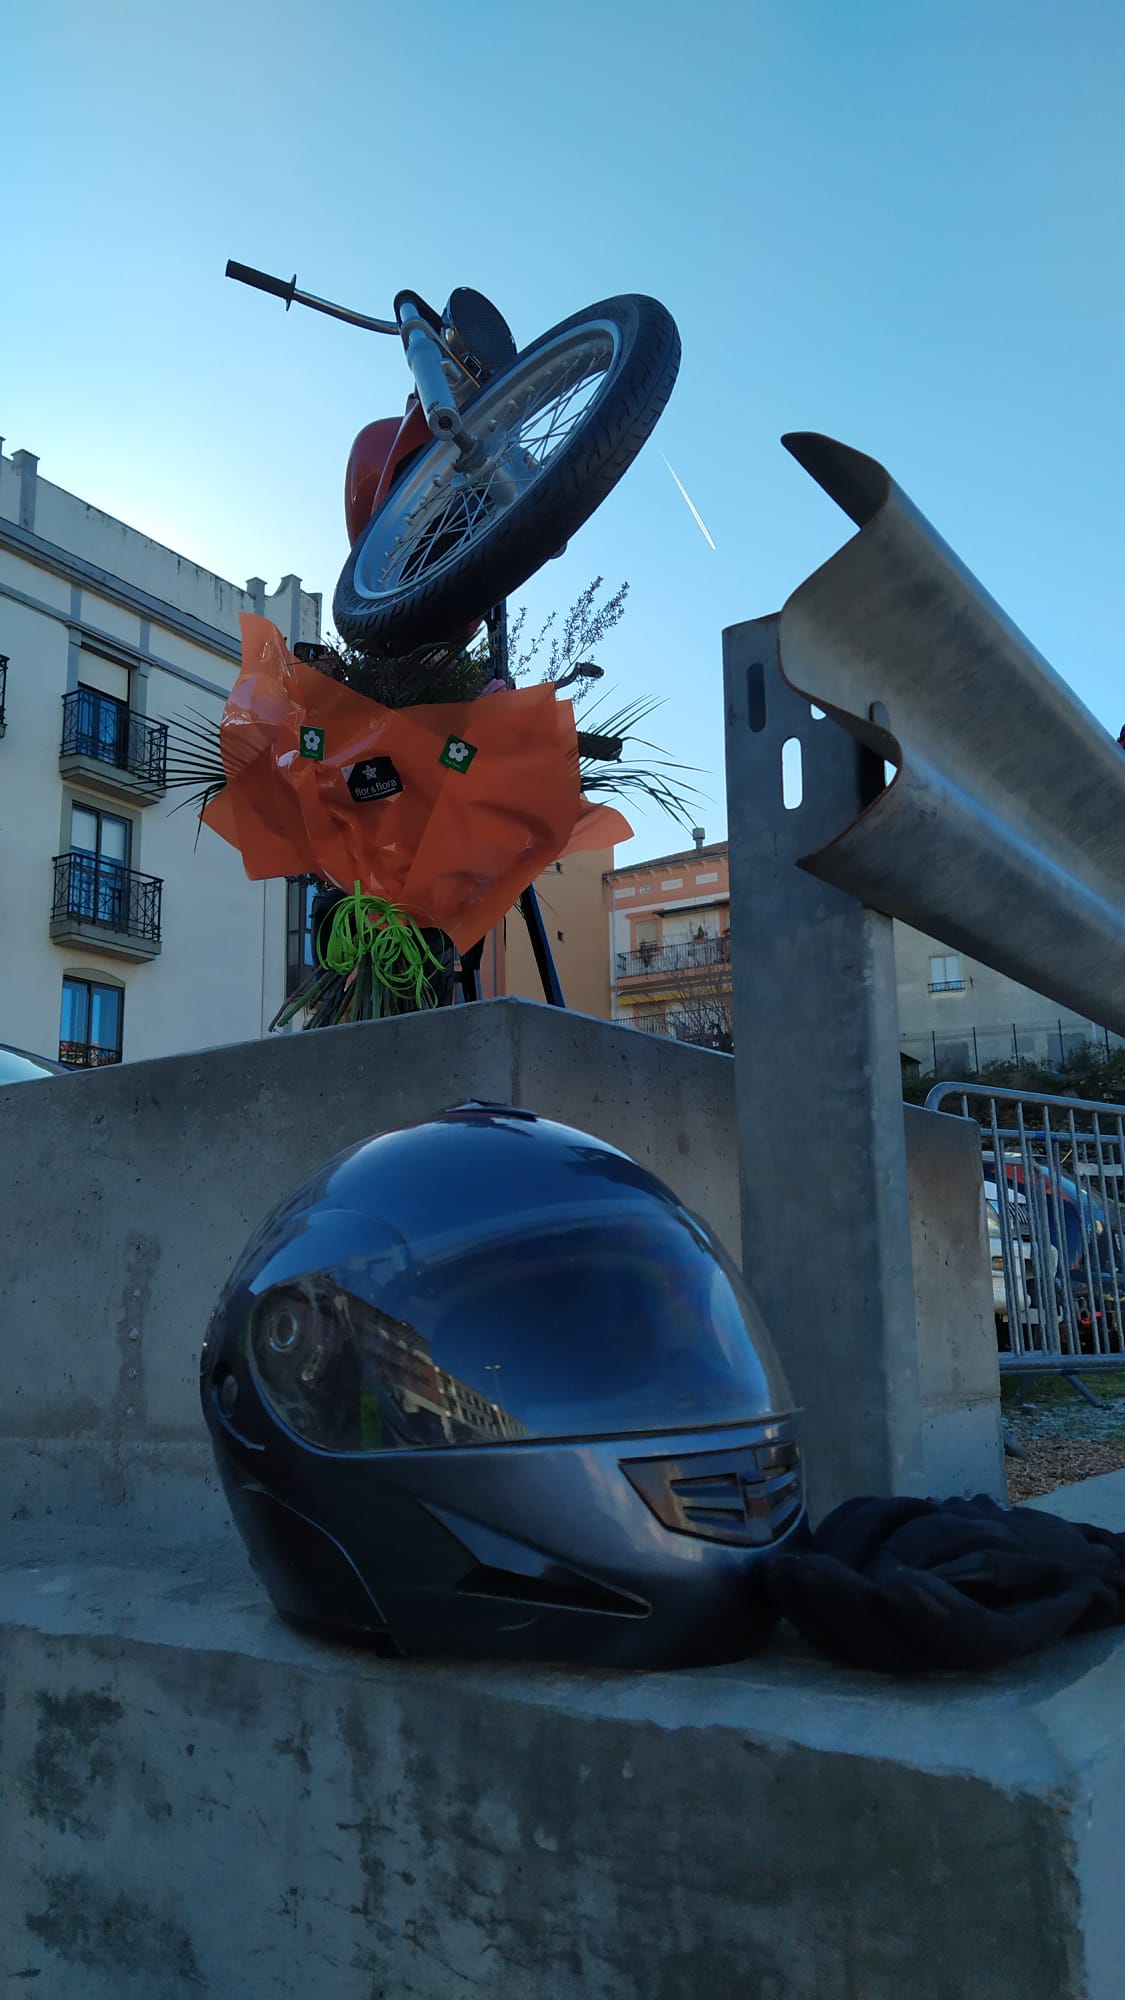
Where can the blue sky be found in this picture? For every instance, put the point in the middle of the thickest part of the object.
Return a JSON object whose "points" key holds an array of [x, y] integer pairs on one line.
{"points": [[898, 221]]}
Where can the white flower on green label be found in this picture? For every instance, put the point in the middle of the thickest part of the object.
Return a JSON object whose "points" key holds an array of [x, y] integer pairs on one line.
{"points": [[458, 754], [312, 743]]}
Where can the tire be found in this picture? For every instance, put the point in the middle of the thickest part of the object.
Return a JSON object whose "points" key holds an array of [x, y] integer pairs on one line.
{"points": [[444, 547]]}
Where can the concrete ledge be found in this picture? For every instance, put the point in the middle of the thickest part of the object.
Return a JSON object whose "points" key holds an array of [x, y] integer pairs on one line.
{"points": [[99, 937], [198, 1801]]}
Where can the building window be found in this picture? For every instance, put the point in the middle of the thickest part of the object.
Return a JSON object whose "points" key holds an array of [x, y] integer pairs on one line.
{"points": [[98, 726], [646, 942], [98, 674], [99, 846], [91, 1023], [946, 975], [300, 960]]}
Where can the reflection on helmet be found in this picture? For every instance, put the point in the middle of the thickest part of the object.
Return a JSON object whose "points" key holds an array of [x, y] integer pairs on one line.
{"points": [[347, 1377], [486, 1332]]}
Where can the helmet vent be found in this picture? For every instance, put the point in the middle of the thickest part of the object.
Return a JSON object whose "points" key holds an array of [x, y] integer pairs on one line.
{"points": [[751, 1496], [569, 1592]]}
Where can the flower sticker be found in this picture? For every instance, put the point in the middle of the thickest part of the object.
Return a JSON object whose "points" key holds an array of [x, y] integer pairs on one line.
{"points": [[457, 755], [312, 744]]}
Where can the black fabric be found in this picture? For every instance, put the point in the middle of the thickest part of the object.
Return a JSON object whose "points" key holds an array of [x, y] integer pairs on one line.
{"points": [[905, 1586]]}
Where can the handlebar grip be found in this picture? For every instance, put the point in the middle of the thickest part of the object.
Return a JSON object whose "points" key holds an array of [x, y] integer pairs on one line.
{"points": [[279, 287]]}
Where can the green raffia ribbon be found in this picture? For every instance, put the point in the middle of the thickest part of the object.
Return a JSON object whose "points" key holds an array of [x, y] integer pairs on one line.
{"points": [[376, 941]]}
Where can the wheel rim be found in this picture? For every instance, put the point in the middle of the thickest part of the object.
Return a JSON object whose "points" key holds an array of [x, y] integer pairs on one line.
{"points": [[435, 513]]}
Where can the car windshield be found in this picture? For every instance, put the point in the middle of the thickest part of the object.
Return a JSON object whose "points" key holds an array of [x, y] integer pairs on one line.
{"points": [[16, 1067]]}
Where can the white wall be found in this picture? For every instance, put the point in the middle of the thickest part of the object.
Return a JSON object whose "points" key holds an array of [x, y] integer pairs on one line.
{"points": [[982, 1015], [70, 574]]}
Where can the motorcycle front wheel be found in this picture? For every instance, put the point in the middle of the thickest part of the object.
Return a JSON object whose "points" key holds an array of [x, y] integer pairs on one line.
{"points": [[552, 436]]}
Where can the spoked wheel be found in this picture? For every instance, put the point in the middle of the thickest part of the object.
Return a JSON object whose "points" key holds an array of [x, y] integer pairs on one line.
{"points": [[551, 437]]}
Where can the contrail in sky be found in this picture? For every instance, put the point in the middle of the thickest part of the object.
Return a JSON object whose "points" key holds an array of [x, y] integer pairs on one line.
{"points": [[696, 515]]}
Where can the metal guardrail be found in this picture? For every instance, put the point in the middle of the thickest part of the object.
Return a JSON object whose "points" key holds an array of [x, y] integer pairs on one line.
{"points": [[96, 726], [1054, 1180], [1007, 843], [689, 957], [91, 891], [1001, 833]]}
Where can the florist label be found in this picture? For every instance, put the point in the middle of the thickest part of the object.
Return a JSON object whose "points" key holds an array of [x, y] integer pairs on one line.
{"points": [[375, 778]]}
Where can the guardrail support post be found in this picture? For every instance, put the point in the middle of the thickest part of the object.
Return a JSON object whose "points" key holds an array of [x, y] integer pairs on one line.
{"points": [[825, 1212]]}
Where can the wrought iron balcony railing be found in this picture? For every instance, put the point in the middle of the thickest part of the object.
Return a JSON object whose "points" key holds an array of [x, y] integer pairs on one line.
{"points": [[87, 1055], [96, 726], [689, 957], [91, 891], [684, 1024]]}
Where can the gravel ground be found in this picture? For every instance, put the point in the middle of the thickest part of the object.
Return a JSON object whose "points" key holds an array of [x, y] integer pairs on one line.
{"points": [[1059, 1436]]}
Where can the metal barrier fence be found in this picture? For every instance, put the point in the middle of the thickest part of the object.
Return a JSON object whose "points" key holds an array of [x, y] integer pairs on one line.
{"points": [[1054, 1182], [965, 1051]]}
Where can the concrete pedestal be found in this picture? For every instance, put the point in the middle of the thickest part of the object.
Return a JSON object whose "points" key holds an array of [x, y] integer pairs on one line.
{"points": [[196, 1801]]}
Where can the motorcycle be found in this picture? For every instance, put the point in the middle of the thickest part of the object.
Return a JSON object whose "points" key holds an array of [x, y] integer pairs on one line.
{"points": [[500, 456]]}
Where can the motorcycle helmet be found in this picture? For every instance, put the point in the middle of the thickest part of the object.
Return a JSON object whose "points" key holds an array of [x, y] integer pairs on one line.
{"points": [[484, 1386]]}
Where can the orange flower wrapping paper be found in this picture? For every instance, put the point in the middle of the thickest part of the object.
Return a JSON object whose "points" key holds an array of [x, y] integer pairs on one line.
{"points": [[456, 845]]}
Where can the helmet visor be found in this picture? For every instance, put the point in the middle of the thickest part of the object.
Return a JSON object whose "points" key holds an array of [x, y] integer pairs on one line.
{"points": [[574, 1330]]}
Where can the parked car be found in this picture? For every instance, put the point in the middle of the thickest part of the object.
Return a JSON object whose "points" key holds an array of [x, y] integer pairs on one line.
{"points": [[19, 1066], [1021, 1252], [1082, 1252]]}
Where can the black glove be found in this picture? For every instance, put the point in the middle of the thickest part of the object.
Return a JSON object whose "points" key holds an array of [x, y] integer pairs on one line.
{"points": [[908, 1585]]}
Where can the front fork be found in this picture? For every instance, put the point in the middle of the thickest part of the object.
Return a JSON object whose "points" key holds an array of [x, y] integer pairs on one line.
{"points": [[437, 376]]}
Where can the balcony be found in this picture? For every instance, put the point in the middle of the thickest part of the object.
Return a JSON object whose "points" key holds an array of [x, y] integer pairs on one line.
{"points": [[3, 687], [705, 1026], [947, 986], [109, 746], [652, 960], [87, 1055], [105, 907]]}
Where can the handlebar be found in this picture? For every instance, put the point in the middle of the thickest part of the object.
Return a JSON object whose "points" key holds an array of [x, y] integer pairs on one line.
{"points": [[262, 282], [282, 288]]}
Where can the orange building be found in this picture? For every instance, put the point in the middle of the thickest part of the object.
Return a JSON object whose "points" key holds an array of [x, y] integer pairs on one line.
{"points": [[669, 927], [571, 899]]}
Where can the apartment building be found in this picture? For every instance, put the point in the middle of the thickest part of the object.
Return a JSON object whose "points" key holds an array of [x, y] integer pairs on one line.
{"points": [[127, 930], [956, 1015], [669, 942], [669, 928]]}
